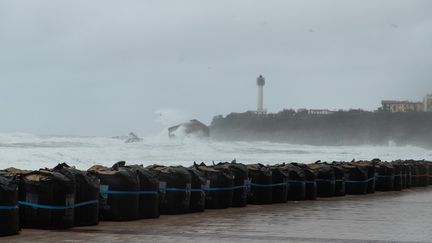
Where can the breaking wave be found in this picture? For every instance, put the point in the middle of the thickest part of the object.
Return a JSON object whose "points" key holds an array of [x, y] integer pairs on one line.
{"points": [[33, 151]]}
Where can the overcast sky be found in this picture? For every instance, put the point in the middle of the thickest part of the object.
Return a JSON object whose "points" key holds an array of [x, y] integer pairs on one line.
{"points": [[105, 67]]}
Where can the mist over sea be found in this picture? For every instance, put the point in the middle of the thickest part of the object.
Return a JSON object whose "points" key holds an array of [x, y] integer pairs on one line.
{"points": [[29, 151]]}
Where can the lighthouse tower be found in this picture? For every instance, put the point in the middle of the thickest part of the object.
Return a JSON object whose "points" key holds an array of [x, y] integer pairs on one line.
{"points": [[260, 84]]}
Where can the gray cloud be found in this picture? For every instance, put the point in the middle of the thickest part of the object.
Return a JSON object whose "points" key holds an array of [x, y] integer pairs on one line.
{"points": [[105, 67]]}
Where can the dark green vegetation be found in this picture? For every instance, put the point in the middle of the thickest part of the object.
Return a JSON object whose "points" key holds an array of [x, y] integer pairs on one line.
{"points": [[352, 127]]}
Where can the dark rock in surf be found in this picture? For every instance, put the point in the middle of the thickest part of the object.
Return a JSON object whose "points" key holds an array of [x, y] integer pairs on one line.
{"points": [[191, 128], [133, 138]]}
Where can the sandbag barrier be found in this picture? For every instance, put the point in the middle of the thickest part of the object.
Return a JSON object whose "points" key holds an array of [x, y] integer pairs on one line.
{"points": [[9, 214], [65, 197]]}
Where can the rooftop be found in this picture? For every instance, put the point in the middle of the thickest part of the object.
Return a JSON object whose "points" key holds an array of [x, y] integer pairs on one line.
{"points": [[399, 102]]}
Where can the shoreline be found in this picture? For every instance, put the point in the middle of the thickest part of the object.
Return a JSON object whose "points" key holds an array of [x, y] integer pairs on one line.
{"points": [[380, 217]]}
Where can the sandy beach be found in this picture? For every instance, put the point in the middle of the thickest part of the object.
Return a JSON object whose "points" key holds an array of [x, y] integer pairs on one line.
{"points": [[381, 217]]}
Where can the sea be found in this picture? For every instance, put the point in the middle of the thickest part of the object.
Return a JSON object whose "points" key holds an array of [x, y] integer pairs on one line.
{"points": [[29, 151]]}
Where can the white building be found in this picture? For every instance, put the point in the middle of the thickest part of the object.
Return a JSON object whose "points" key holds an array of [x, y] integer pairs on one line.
{"points": [[401, 106], [427, 103], [320, 112], [260, 106]]}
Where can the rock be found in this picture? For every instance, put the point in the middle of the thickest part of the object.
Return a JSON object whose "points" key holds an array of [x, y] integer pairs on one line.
{"points": [[133, 138], [193, 127]]}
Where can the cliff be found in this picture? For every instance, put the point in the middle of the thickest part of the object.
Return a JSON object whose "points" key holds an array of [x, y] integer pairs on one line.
{"points": [[340, 128]]}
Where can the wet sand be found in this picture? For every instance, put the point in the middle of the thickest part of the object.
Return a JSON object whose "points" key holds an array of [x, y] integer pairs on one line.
{"points": [[381, 217]]}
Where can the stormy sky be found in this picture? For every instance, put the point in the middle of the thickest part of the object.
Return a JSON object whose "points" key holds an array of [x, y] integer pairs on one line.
{"points": [[104, 67]]}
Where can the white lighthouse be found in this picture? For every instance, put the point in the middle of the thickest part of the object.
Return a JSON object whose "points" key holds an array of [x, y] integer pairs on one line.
{"points": [[260, 83]]}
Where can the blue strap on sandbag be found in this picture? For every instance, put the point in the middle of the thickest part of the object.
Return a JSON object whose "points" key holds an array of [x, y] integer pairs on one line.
{"points": [[247, 185], [11, 207], [359, 182], [226, 188], [219, 189], [383, 176], [76, 205], [239, 187], [268, 185], [310, 182], [297, 181], [345, 181], [128, 192], [197, 190], [175, 189], [325, 180]]}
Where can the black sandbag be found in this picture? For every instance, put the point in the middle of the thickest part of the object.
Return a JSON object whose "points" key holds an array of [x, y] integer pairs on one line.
{"points": [[280, 185], [310, 182], [86, 194], [325, 179], [429, 163], [370, 167], [9, 214], [296, 182], [401, 175], [384, 177], [409, 172], [46, 200], [198, 196], [408, 175], [423, 176], [415, 172], [240, 173], [356, 181], [339, 180], [399, 179], [219, 186], [260, 178], [148, 203], [16, 172], [175, 188], [119, 198]]}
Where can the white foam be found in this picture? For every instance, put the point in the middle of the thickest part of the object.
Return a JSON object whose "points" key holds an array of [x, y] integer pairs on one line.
{"points": [[29, 151]]}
